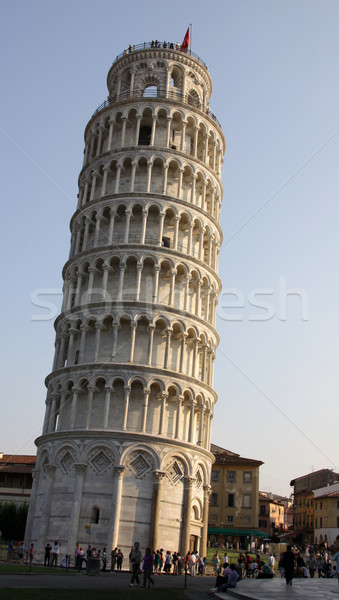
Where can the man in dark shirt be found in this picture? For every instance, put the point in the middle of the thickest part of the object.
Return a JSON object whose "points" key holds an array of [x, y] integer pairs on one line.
{"points": [[288, 559]]}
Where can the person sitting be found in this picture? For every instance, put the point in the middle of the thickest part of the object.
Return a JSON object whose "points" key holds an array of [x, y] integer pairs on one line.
{"points": [[266, 573], [231, 582]]}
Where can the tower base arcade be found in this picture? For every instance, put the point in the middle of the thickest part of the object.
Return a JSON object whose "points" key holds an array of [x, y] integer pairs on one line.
{"points": [[112, 492]]}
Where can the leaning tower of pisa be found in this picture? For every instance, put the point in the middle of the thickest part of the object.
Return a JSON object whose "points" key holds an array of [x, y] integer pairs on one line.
{"points": [[124, 453]]}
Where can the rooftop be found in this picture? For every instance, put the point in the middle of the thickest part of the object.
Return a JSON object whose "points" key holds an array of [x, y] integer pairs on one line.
{"points": [[155, 44], [224, 456]]}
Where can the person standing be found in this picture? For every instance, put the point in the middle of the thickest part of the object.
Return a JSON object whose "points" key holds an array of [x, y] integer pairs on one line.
{"points": [[21, 552], [336, 560], [47, 560], [135, 558], [104, 559], [148, 568], [120, 557], [55, 555], [271, 562], [31, 554], [114, 554], [311, 564], [287, 561]]}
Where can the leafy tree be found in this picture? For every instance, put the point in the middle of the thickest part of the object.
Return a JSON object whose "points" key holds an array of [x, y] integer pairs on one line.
{"points": [[13, 520]]}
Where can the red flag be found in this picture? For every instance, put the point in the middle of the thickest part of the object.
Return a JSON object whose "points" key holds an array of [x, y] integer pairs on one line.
{"points": [[185, 43]]}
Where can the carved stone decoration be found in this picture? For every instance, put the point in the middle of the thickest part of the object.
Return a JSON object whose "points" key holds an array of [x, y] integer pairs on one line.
{"points": [[66, 462], [174, 473], [100, 462], [140, 465]]}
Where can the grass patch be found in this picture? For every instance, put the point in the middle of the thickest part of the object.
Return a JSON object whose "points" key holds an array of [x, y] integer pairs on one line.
{"points": [[161, 594], [24, 569]]}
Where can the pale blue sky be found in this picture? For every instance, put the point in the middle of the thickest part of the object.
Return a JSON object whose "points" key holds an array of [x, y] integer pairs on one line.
{"points": [[274, 66]]}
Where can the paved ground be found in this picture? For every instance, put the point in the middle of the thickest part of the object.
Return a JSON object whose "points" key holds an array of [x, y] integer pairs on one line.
{"points": [[269, 589], [197, 587]]}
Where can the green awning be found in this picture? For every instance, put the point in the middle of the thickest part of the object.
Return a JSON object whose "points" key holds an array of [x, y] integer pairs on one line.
{"points": [[241, 532]]}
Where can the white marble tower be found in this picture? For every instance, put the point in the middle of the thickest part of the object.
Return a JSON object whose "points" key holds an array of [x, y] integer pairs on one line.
{"points": [[125, 446]]}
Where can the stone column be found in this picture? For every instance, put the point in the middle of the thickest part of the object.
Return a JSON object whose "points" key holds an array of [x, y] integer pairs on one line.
{"points": [[143, 225], [84, 330], [201, 426], [177, 417], [137, 132], [61, 410], [127, 390], [154, 122], [49, 471], [176, 231], [164, 187], [168, 136], [195, 141], [183, 134], [121, 280], [168, 337], [110, 135], [128, 218], [186, 520], [146, 394], [99, 141], [150, 344], [149, 176], [161, 227], [115, 340], [164, 397], [31, 508], [85, 240], [111, 229], [191, 426], [134, 168], [90, 394], [113, 525], [73, 408], [154, 538], [203, 542], [106, 407], [117, 181], [172, 284], [133, 332], [104, 181], [179, 192], [94, 180], [73, 527], [99, 329], [156, 283], [123, 131], [138, 282]]}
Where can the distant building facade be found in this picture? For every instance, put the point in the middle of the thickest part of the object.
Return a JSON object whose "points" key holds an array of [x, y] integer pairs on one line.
{"points": [[271, 514], [234, 506], [16, 477], [326, 515], [303, 506]]}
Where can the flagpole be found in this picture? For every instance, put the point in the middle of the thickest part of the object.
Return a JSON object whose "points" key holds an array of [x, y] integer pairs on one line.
{"points": [[191, 39]]}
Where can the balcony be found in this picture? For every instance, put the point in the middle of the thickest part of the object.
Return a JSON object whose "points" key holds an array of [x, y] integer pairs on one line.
{"points": [[157, 93], [169, 46]]}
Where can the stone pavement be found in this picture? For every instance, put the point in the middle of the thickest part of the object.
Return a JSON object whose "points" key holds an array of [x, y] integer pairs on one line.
{"points": [[197, 587], [269, 589]]}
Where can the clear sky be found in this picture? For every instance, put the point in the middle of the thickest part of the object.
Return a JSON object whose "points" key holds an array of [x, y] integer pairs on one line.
{"points": [[274, 65]]}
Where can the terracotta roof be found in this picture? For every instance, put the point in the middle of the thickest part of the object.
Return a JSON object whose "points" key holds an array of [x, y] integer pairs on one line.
{"points": [[223, 456], [331, 495], [17, 459], [16, 468], [264, 498]]}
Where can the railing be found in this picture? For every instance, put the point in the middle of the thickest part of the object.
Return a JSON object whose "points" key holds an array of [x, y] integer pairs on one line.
{"points": [[156, 44], [157, 93]]}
